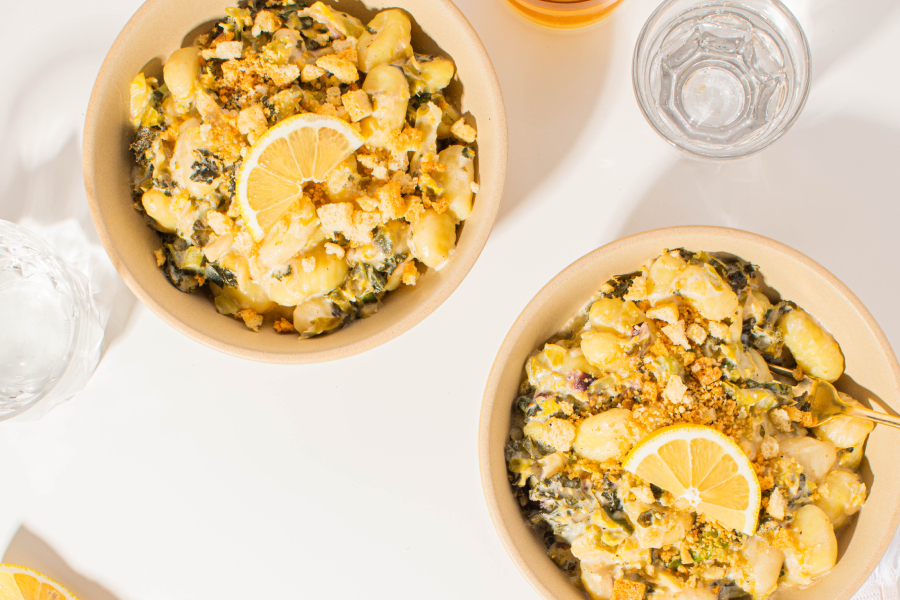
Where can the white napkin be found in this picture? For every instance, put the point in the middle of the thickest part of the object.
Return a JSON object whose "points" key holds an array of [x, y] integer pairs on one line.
{"points": [[884, 582]]}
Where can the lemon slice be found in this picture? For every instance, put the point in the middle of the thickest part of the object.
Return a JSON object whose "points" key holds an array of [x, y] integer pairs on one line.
{"points": [[299, 149], [703, 466], [22, 583]]}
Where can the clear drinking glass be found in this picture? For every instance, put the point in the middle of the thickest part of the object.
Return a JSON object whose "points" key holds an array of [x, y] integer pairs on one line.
{"points": [[564, 14], [50, 329], [721, 78]]}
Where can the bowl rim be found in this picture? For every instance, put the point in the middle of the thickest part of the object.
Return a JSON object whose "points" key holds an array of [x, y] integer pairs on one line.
{"points": [[491, 403], [467, 259]]}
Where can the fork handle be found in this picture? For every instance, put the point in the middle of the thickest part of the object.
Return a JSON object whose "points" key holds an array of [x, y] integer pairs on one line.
{"points": [[871, 415]]}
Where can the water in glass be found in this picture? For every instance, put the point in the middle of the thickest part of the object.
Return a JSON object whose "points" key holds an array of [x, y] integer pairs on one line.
{"points": [[50, 331], [721, 74]]}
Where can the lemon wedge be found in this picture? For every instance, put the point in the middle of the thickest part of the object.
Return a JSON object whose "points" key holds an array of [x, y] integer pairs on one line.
{"points": [[704, 467], [22, 583], [298, 149]]}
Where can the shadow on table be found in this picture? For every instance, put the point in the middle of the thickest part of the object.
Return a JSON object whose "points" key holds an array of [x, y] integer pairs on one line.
{"points": [[29, 550], [818, 186], [838, 26], [552, 83], [41, 178]]}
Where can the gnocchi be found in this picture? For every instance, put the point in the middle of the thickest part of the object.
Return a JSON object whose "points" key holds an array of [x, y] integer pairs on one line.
{"points": [[845, 432], [613, 314], [433, 238], [429, 74], [387, 40], [313, 220], [387, 86], [607, 435], [814, 349], [457, 180], [841, 496], [301, 284], [159, 207], [181, 72], [764, 564], [658, 360], [815, 456], [814, 548], [711, 296]]}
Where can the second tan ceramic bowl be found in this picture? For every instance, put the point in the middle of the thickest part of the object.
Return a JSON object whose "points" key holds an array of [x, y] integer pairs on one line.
{"points": [[871, 372], [162, 26]]}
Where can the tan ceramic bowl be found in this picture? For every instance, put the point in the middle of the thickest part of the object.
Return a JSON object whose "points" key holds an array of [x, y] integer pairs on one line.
{"points": [[162, 26], [870, 362]]}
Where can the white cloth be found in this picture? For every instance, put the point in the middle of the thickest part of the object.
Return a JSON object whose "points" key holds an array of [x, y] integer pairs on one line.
{"points": [[884, 583]]}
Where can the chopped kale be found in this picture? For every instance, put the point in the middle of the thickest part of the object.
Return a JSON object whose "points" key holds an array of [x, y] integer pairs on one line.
{"points": [[383, 241], [736, 271], [765, 336], [393, 262], [231, 173], [206, 168], [141, 143], [365, 282], [733, 592], [201, 233], [222, 276], [620, 284], [287, 271]]}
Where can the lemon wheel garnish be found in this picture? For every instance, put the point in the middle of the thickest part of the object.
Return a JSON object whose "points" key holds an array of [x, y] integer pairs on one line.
{"points": [[299, 149], [704, 467], [22, 583]]}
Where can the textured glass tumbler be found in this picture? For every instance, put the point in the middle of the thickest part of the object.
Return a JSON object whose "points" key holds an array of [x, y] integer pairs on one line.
{"points": [[565, 14], [721, 78], [50, 330]]}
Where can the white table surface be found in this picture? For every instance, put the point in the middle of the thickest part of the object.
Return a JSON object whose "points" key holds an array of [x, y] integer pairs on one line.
{"points": [[183, 473]]}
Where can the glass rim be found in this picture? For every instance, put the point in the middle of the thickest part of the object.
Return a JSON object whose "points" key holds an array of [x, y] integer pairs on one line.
{"points": [[768, 140]]}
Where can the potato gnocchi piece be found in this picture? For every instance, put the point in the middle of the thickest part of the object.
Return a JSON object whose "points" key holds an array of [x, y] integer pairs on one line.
{"points": [[433, 238], [387, 40], [182, 71], [429, 74], [845, 432], [814, 349], [159, 206], [299, 285], [763, 567], [711, 296], [389, 90], [814, 551], [841, 496], [314, 316], [815, 456], [662, 275], [614, 314], [602, 348], [250, 295], [598, 583], [456, 181], [608, 435]]}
